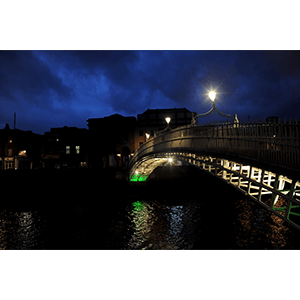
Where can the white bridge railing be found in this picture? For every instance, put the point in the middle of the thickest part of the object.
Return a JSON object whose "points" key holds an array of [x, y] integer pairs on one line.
{"points": [[271, 142]]}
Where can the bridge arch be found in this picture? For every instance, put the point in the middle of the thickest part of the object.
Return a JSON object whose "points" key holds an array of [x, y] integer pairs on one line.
{"points": [[243, 155]]}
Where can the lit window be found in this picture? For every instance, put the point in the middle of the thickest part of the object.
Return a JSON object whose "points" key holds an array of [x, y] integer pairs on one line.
{"points": [[67, 149], [23, 153], [77, 149]]}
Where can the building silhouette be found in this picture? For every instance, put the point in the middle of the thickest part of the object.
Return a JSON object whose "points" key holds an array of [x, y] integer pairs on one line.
{"points": [[65, 147], [108, 142], [111, 140], [19, 149]]}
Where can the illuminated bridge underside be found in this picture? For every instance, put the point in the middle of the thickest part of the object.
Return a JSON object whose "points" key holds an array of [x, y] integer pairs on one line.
{"points": [[241, 155], [147, 165], [277, 193]]}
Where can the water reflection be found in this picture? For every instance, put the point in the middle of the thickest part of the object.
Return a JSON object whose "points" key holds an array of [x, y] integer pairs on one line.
{"points": [[160, 226], [149, 224], [257, 228], [19, 230]]}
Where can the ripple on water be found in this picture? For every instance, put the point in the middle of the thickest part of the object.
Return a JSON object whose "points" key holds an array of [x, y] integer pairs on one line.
{"points": [[20, 230]]}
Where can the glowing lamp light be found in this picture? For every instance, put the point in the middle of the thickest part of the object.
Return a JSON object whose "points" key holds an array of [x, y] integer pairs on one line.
{"points": [[170, 159], [212, 95], [168, 119], [147, 135]]}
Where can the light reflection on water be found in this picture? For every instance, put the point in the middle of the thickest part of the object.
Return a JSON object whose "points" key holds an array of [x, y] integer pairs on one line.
{"points": [[159, 225], [193, 225], [149, 224], [19, 230], [259, 229]]}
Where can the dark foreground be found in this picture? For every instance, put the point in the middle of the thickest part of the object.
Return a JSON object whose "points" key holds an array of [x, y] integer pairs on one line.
{"points": [[85, 209]]}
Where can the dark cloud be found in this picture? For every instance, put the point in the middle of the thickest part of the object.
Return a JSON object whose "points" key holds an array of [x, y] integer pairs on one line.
{"points": [[57, 88], [117, 65], [23, 77]]}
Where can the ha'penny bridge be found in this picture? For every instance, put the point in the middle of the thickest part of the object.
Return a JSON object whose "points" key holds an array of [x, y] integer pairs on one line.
{"points": [[260, 159]]}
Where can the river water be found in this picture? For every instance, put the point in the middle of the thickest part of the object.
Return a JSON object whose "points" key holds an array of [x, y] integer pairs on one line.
{"points": [[172, 215]]}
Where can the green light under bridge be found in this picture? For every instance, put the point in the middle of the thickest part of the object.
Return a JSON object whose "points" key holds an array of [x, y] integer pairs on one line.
{"points": [[138, 206], [138, 178]]}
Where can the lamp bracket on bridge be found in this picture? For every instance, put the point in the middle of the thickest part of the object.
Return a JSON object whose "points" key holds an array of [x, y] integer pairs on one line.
{"points": [[167, 129], [214, 109]]}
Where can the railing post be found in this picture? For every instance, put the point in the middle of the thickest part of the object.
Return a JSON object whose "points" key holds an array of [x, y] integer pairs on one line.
{"points": [[273, 197], [289, 141], [249, 181], [261, 180], [240, 172], [231, 167]]}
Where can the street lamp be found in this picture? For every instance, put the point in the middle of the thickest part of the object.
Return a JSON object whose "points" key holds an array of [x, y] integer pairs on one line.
{"points": [[212, 96], [147, 136], [168, 119]]}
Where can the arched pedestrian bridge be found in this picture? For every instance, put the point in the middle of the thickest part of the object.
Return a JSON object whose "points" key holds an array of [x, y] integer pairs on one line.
{"points": [[260, 159]]}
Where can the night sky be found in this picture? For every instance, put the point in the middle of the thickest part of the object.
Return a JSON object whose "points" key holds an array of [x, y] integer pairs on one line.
{"points": [[64, 88]]}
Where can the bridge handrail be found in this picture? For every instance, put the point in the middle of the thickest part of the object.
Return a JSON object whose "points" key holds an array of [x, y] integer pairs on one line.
{"points": [[277, 142]]}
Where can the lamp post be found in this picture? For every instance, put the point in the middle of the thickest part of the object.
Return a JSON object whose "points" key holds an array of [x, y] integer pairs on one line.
{"points": [[212, 96], [168, 128]]}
